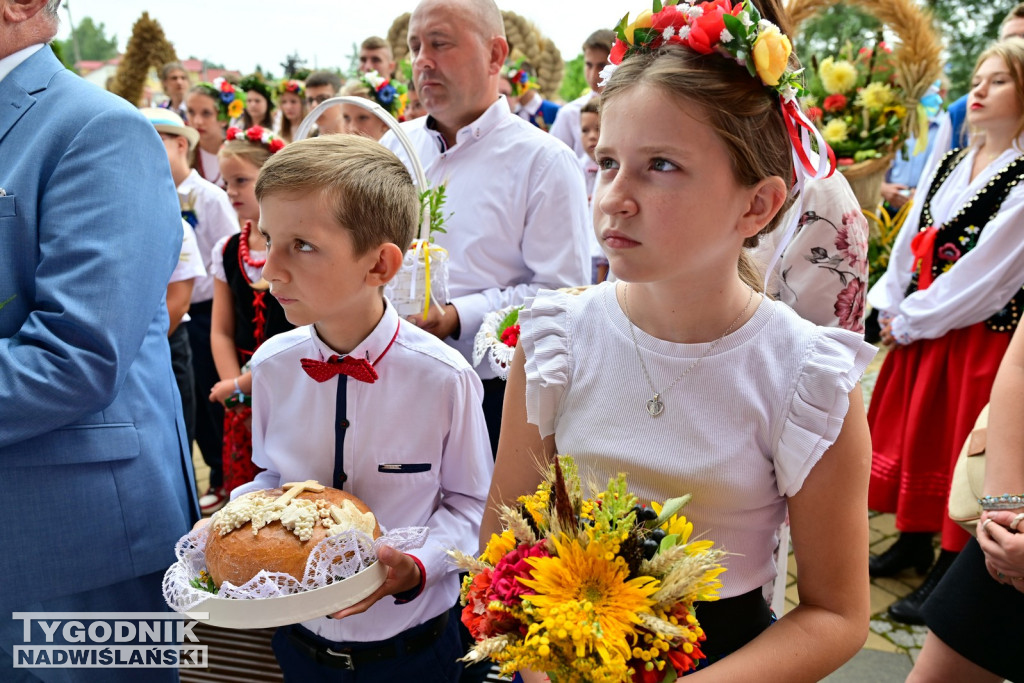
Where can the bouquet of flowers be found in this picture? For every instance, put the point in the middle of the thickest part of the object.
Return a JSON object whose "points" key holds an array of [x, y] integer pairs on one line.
{"points": [[497, 339], [596, 589], [858, 103]]}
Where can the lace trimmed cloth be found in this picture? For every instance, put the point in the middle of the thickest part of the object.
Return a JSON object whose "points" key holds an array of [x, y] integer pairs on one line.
{"points": [[335, 558]]}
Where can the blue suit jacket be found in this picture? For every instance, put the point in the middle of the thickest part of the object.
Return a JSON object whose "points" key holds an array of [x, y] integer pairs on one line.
{"points": [[96, 482]]}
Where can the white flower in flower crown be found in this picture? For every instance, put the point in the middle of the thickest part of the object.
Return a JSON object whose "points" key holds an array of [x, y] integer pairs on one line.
{"points": [[788, 93], [763, 25], [745, 19], [693, 11], [726, 37], [265, 138], [667, 34], [684, 32], [606, 73]]}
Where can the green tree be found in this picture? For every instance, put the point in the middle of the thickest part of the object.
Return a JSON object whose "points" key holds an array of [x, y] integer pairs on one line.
{"points": [[574, 83], [93, 43]]}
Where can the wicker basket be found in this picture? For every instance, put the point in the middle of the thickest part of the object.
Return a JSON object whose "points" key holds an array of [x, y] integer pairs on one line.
{"points": [[866, 178], [423, 278]]}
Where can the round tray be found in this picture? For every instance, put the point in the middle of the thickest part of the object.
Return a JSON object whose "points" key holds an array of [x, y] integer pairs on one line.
{"points": [[291, 609]]}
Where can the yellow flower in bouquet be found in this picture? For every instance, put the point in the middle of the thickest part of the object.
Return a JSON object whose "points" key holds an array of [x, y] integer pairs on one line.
{"points": [[837, 76], [835, 131], [876, 96], [596, 589]]}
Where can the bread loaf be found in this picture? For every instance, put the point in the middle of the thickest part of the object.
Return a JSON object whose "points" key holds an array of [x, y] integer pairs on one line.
{"points": [[277, 529]]}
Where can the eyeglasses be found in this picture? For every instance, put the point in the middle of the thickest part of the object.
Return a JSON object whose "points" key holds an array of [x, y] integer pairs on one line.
{"points": [[314, 100]]}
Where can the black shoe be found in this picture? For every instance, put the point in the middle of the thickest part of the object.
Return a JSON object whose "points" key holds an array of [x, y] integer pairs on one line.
{"points": [[908, 610], [911, 549]]}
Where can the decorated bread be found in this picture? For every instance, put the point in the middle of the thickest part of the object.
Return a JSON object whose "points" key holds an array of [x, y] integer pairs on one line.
{"points": [[277, 529]]}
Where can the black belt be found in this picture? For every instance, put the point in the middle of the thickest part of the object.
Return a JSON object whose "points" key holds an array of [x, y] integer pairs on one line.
{"points": [[350, 655], [731, 623]]}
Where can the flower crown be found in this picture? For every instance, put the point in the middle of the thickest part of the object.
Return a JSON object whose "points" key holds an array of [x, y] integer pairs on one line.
{"points": [[257, 135], [734, 31], [518, 77], [230, 100], [254, 82], [292, 86], [387, 93]]}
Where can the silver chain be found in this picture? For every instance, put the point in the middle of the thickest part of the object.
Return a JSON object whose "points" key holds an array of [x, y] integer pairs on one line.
{"points": [[655, 405]]}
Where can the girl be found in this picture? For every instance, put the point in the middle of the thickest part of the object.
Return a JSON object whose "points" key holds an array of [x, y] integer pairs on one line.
{"points": [[244, 314], [387, 93], [948, 304], [291, 101], [684, 376], [210, 106], [259, 103]]}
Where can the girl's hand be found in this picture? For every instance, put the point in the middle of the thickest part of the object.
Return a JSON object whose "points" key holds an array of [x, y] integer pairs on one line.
{"points": [[222, 390], [1003, 547], [885, 336]]}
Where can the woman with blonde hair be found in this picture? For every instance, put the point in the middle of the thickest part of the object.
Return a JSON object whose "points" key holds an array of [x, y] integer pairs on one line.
{"points": [[948, 304]]}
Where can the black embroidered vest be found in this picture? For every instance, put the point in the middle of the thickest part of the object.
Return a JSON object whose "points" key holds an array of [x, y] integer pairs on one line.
{"points": [[258, 316], [958, 236]]}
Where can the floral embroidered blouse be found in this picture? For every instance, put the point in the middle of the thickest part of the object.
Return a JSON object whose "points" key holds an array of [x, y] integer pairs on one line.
{"points": [[823, 272]]}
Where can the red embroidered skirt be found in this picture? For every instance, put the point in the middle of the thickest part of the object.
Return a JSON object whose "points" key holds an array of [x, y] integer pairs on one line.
{"points": [[237, 452], [926, 400]]}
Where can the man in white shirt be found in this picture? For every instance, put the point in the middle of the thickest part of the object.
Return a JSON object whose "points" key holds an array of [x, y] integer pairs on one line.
{"points": [[595, 56], [516, 197]]}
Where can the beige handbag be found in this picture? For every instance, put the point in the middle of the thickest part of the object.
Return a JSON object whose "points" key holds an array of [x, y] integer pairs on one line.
{"points": [[969, 477]]}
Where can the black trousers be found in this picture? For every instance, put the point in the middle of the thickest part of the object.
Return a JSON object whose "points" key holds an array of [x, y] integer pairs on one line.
{"points": [[209, 429], [181, 362]]}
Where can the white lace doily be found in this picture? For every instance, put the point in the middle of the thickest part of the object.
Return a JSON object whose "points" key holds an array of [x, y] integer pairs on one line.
{"points": [[488, 343], [334, 558]]}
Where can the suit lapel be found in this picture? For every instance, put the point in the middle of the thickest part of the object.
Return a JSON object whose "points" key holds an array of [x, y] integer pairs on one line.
{"points": [[17, 90]]}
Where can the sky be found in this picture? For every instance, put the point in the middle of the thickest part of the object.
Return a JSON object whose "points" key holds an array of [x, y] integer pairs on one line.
{"points": [[241, 35]]}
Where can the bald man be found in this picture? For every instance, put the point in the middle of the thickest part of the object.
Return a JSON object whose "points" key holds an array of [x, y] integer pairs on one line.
{"points": [[517, 199]]}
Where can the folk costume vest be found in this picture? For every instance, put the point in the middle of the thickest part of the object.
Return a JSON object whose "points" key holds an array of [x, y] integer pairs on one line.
{"points": [[258, 316], [938, 247]]}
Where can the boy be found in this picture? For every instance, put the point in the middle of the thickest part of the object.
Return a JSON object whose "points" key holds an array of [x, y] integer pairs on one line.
{"points": [[590, 131], [596, 49], [405, 433]]}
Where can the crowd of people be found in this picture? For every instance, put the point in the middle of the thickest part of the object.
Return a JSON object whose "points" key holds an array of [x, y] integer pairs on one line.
{"points": [[694, 282]]}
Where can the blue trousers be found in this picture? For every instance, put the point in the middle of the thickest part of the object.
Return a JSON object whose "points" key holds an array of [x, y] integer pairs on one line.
{"points": [[433, 664]]}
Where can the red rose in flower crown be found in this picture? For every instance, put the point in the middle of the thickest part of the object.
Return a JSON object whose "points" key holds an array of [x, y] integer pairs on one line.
{"points": [[276, 145], [255, 134], [225, 86], [706, 30], [835, 103]]}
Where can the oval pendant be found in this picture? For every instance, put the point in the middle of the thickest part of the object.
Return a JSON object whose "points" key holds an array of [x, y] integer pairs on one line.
{"points": [[655, 407]]}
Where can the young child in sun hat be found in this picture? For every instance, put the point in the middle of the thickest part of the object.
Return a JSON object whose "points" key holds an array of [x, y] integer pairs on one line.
{"points": [[682, 373], [360, 399], [244, 313]]}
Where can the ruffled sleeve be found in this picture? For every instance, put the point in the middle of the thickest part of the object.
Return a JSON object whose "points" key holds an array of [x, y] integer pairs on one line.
{"points": [[544, 334], [832, 365]]}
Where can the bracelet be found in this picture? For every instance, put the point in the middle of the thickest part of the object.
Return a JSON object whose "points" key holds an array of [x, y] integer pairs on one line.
{"points": [[238, 389], [1006, 501]]}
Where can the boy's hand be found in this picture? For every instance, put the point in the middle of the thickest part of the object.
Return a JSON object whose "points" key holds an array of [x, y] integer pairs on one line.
{"points": [[403, 575], [441, 325], [201, 523]]}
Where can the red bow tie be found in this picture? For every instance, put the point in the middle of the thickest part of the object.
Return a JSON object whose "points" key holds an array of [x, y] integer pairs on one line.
{"points": [[356, 368]]}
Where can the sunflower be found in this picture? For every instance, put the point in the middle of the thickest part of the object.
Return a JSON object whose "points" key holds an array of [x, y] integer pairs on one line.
{"points": [[835, 131], [498, 547], [876, 96], [607, 603]]}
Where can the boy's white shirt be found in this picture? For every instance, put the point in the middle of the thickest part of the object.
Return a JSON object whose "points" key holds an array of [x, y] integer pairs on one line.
{"points": [[425, 407], [215, 218]]}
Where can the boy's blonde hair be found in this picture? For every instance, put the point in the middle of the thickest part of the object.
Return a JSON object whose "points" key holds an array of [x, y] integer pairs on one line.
{"points": [[365, 186]]}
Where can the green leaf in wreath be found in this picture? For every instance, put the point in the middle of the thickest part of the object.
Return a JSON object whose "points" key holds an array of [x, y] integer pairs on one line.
{"points": [[671, 507]]}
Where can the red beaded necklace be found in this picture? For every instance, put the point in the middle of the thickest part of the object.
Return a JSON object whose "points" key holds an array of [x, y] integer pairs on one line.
{"points": [[243, 247]]}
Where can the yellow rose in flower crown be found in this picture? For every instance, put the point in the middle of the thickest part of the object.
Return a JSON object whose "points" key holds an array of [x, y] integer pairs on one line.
{"points": [[643, 20], [771, 54]]}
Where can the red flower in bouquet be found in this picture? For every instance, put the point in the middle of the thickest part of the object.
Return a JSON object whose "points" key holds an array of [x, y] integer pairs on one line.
{"points": [[481, 621], [814, 114], [706, 30], [835, 103], [510, 335], [255, 134], [505, 585]]}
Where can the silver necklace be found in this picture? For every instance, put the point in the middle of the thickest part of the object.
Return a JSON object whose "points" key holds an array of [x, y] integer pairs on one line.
{"points": [[655, 406]]}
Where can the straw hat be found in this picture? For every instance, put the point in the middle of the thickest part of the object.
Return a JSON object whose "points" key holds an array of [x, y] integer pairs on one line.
{"points": [[166, 121]]}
